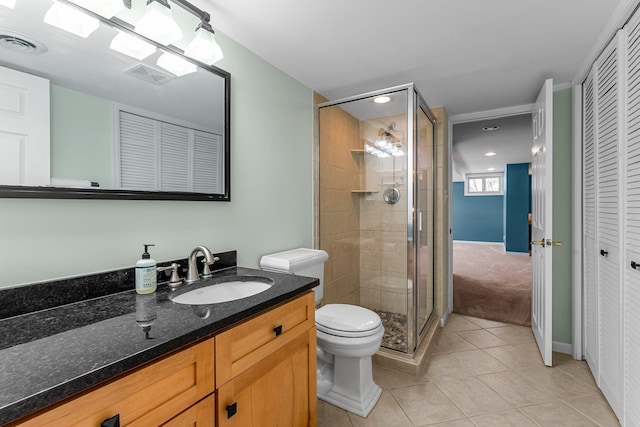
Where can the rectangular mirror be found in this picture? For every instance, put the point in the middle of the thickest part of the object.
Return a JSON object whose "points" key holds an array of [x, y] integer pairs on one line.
{"points": [[79, 119]]}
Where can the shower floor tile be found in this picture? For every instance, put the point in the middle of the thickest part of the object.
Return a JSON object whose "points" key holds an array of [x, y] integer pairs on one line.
{"points": [[395, 330]]}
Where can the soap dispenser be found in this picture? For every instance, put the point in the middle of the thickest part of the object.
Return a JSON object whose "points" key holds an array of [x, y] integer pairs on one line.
{"points": [[146, 279]]}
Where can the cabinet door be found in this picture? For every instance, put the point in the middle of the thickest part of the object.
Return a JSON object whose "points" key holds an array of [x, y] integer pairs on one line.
{"points": [[202, 414], [280, 390]]}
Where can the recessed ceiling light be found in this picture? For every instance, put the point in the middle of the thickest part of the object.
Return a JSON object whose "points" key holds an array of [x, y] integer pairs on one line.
{"points": [[489, 154], [491, 169], [381, 99], [490, 128]]}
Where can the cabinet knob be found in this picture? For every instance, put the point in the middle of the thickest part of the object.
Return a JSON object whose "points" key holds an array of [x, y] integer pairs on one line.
{"points": [[634, 265], [232, 409], [603, 252], [111, 422], [278, 330]]}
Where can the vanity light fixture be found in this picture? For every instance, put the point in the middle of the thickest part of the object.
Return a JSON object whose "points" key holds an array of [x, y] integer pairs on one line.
{"points": [[381, 99], [157, 23], [106, 8], [176, 65], [70, 19], [131, 46], [490, 154], [204, 47], [8, 3]]}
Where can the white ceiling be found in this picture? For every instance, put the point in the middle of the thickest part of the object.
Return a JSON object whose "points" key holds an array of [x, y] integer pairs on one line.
{"points": [[511, 143], [467, 55]]}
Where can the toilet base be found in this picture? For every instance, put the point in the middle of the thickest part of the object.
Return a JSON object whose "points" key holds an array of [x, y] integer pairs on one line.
{"points": [[338, 385]]}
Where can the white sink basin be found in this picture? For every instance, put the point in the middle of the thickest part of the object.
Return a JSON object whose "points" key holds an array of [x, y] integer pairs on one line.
{"points": [[223, 290]]}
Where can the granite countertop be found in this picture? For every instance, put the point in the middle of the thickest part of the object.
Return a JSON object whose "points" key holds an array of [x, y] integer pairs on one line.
{"points": [[53, 353]]}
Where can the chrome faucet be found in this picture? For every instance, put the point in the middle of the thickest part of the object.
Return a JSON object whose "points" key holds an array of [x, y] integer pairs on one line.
{"points": [[192, 272]]}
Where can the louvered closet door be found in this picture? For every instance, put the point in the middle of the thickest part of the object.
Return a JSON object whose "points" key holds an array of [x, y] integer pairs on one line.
{"points": [[590, 273], [631, 314], [608, 222]]}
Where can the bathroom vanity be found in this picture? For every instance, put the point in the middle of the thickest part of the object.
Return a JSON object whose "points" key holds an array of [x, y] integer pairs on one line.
{"points": [[149, 361]]}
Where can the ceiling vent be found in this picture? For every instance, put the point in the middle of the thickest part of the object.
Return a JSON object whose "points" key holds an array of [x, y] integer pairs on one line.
{"points": [[148, 74], [20, 43]]}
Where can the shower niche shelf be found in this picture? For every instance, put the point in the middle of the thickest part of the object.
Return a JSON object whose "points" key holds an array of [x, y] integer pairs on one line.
{"points": [[365, 181]]}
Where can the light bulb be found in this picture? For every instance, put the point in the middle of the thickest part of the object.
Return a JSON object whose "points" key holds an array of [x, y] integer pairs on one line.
{"points": [[158, 25], [106, 8], [72, 20], [8, 3], [131, 45], [204, 47], [176, 65]]}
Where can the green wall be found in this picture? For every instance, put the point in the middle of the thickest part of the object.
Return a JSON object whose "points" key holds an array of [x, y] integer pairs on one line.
{"points": [[562, 214], [271, 195], [81, 136]]}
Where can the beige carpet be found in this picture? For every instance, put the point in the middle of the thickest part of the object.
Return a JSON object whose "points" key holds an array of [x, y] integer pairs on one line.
{"points": [[490, 284]]}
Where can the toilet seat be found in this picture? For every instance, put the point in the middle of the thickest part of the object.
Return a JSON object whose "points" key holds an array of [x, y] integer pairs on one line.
{"points": [[350, 321]]}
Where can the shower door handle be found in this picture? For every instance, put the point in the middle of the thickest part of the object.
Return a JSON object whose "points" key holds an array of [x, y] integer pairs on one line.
{"points": [[419, 221]]}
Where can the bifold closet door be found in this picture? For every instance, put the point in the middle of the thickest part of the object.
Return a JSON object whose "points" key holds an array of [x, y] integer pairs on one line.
{"points": [[590, 271], [609, 96], [631, 267]]}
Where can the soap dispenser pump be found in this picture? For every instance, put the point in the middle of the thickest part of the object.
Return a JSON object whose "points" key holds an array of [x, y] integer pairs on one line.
{"points": [[146, 279]]}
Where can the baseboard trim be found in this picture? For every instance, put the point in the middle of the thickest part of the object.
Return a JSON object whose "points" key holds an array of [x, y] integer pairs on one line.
{"points": [[562, 347], [475, 242], [517, 253], [444, 317]]}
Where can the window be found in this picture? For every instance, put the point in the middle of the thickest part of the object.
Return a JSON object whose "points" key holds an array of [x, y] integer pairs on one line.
{"points": [[481, 184]]}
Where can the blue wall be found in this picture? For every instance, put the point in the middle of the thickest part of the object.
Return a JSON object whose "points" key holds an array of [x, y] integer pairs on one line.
{"points": [[476, 218], [517, 191]]}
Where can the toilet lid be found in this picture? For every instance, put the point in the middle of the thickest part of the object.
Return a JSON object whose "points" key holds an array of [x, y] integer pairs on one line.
{"points": [[344, 318]]}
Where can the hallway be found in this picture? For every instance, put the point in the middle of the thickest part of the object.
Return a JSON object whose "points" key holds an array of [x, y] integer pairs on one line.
{"points": [[483, 373]]}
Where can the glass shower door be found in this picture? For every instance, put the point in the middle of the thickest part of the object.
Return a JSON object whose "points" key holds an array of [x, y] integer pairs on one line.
{"points": [[424, 219]]}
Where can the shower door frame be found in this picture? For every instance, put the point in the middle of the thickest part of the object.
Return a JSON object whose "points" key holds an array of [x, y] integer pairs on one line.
{"points": [[415, 331], [415, 102]]}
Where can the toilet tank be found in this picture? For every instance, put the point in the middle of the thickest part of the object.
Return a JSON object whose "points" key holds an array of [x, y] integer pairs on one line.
{"points": [[301, 262]]}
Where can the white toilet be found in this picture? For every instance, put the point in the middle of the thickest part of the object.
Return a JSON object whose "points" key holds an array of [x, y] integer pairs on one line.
{"points": [[347, 337]]}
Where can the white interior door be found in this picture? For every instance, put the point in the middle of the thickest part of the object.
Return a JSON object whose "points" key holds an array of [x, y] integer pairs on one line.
{"points": [[608, 220], [631, 263], [541, 222], [24, 129], [589, 225]]}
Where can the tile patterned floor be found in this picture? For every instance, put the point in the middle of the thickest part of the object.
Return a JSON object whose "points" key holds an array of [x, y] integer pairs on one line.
{"points": [[483, 373]]}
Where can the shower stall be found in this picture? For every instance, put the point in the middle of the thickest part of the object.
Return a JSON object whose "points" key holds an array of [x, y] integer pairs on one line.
{"points": [[376, 208]]}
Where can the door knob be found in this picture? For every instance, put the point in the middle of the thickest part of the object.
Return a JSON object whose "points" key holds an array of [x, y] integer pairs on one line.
{"points": [[556, 243], [603, 252], [538, 242]]}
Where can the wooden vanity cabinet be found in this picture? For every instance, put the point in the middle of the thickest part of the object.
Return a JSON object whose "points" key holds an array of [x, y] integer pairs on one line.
{"points": [[265, 375], [149, 396], [266, 368]]}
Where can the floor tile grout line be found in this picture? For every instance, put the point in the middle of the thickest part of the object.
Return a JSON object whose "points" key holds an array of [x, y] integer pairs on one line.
{"points": [[586, 415]]}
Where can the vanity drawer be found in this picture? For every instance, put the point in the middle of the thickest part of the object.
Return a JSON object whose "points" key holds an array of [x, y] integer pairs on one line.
{"points": [[147, 396], [244, 345]]}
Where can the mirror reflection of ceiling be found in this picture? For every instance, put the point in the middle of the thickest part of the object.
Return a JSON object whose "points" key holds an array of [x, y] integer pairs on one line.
{"points": [[90, 66]]}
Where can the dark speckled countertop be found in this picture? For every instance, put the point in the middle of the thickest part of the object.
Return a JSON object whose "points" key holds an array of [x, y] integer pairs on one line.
{"points": [[50, 354]]}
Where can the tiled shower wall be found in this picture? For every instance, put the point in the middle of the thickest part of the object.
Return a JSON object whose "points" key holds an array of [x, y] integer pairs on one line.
{"points": [[358, 247], [383, 227], [339, 212]]}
